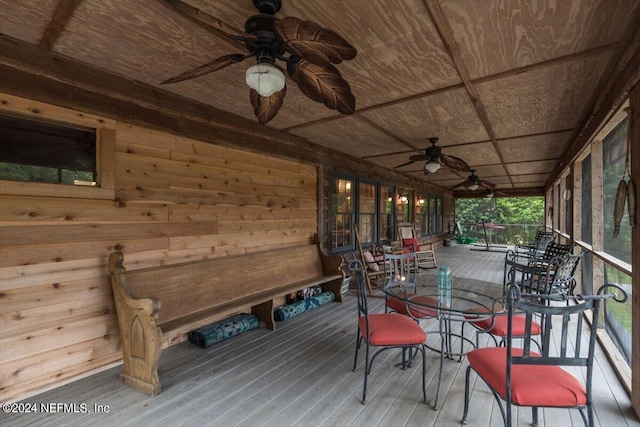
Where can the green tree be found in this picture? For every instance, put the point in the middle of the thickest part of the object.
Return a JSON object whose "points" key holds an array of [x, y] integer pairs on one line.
{"points": [[522, 216]]}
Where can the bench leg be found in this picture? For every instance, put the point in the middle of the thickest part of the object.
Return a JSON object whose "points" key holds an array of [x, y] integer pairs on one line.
{"points": [[334, 286], [264, 311], [141, 348]]}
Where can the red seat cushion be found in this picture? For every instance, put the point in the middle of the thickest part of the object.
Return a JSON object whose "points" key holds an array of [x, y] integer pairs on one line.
{"points": [[392, 329], [411, 242], [417, 311], [497, 325], [531, 385]]}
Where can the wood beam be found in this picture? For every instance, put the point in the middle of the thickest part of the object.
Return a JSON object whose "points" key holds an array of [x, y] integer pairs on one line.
{"points": [[635, 250], [58, 23], [450, 43]]}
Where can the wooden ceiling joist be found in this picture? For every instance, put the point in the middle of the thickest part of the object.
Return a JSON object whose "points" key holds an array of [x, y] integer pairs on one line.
{"points": [[60, 20]]}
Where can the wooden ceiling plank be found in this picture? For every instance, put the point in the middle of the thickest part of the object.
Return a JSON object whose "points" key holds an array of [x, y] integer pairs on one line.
{"points": [[385, 131], [620, 76], [58, 23], [446, 33], [549, 63], [210, 23]]}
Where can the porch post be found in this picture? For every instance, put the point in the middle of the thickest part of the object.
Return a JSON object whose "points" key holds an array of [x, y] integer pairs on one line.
{"points": [[634, 102]]}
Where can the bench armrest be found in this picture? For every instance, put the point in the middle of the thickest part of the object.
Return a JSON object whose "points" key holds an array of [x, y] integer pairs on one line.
{"points": [[331, 265], [149, 305], [140, 336]]}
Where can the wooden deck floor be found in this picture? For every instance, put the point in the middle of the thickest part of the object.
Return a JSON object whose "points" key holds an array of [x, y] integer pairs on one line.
{"points": [[300, 375]]}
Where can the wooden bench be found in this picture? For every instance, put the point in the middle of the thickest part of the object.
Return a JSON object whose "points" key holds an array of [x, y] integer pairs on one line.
{"points": [[160, 304]]}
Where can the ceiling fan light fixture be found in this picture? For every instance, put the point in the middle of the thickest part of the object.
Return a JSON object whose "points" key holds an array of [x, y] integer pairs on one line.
{"points": [[431, 166], [264, 78], [473, 187]]}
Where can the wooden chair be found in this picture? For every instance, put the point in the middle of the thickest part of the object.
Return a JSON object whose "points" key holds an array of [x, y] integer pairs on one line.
{"points": [[386, 331], [522, 377], [425, 255]]}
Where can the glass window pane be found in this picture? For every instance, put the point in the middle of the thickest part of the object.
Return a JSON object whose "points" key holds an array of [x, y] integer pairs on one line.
{"points": [[367, 213], [41, 152], [342, 213], [423, 205], [386, 214]]}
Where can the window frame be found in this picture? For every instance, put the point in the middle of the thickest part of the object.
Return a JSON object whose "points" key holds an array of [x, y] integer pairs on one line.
{"points": [[105, 150]]}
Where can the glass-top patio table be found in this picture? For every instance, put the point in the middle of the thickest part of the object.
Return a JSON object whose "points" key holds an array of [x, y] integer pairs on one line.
{"points": [[468, 301]]}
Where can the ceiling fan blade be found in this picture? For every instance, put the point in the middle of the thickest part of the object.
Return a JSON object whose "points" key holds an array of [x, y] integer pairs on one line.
{"points": [[309, 40], [454, 163], [486, 184], [419, 157], [466, 183], [323, 83], [266, 107], [404, 164], [209, 67], [202, 18]]}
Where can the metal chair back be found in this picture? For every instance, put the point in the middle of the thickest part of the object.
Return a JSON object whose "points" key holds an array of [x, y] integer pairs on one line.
{"points": [[531, 278], [401, 269], [563, 343]]}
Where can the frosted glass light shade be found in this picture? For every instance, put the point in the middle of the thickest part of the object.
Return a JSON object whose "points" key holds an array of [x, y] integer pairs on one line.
{"points": [[473, 187], [431, 166], [266, 79]]}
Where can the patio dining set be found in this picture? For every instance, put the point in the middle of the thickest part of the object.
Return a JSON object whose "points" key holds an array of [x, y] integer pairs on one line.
{"points": [[534, 321]]}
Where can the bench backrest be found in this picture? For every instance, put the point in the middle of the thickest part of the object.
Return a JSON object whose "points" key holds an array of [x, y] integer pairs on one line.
{"points": [[190, 287]]}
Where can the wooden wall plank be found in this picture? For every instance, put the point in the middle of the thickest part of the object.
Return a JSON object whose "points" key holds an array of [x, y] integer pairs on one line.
{"points": [[217, 212], [37, 254], [55, 190], [56, 336], [31, 319], [20, 375], [202, 197], [171, 168], [210, 185], [67, 233], [38, 209], [44, 111], [244, 242]]}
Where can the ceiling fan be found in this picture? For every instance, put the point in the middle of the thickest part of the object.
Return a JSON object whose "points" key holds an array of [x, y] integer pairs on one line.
{"points": [[473, 182], [307, 49], [435, 159]]}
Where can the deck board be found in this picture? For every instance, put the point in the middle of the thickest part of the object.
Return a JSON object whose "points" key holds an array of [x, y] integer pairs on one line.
{"points": [[300, 375]]}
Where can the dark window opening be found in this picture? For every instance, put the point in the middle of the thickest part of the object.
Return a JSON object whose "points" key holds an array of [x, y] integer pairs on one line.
{"points": [[34, 151]]}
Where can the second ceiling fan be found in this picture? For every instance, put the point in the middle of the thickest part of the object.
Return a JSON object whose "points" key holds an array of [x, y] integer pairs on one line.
{"points": [[435, 159], [473, 182]]}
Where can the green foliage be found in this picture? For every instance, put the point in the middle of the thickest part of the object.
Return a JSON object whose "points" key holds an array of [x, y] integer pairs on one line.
{"points": [[501, 210], [523, 216], [31, 173]]}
